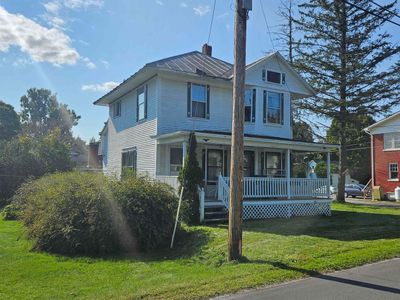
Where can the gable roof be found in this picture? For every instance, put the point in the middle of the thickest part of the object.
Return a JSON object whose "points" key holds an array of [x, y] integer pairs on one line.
{"points": [[379, 123]]}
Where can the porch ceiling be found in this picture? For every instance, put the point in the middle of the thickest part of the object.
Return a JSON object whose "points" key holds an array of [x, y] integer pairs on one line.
{"points": [[215, 138]]}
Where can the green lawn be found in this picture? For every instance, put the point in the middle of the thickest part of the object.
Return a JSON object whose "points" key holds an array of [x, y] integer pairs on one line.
{"points": [[275, 250]]}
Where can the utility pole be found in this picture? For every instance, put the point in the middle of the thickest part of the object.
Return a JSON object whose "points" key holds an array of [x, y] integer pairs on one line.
{"points": [[237, 151]]}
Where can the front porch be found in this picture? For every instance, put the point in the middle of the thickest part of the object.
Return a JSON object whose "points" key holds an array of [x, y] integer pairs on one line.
{"points": [[269, 188]]}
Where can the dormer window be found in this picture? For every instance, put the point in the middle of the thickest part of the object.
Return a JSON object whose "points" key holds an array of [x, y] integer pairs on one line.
{"points": [[273, 77], [116, 109]]}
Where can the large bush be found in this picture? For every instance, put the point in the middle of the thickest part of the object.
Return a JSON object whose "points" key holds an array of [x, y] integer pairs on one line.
{"points": [[88, 213]]}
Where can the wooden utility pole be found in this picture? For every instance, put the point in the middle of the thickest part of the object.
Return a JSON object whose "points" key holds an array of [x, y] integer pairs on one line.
{"points": [[237, 151]]}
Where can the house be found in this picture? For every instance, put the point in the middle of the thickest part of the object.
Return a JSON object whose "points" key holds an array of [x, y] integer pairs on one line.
{"points": [[152, 113], [385, 153]]}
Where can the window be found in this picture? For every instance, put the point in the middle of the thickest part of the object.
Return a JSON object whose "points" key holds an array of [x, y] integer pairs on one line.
{"points": [[129, 160], [248, 164], [250, 105], [272, 164], [141, 113], [215, 165], [116, 109], [391, 140], [393, 171], [175, 160], [273, 107], [274, 77], [198, 100]]}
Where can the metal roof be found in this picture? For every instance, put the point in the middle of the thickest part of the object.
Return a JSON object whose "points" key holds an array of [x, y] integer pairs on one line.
{"points": [[194, 62]]}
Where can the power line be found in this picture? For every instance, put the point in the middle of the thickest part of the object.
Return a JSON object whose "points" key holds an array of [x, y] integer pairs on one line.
{"points": [[384, 8], [266, 23], [212, 21], [371, 13]]}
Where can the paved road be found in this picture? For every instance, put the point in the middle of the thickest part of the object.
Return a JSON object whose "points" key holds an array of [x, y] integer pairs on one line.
{"points": [[373, 203], [370, 282]]}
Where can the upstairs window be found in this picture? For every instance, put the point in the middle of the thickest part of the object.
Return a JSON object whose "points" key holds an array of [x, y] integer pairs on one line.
{"points": [[141, 113], [391, 140], [393, 171], [273, 107], [116, 109], [129, 160], [250, 105], [198, 101], [274, 77]]}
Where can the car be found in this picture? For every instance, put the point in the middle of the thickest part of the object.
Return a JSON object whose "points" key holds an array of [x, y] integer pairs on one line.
{"points": [[322, 189], [353, 190]]}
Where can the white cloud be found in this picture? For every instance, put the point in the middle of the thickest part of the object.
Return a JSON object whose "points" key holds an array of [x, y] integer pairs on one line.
{"points": [[52, 7], [89, 63], [201, 10], [183, 4], [76, 4], [159, 2], [223, 15], [40, 43], [105, 63], [101, 87], [22, 61]]}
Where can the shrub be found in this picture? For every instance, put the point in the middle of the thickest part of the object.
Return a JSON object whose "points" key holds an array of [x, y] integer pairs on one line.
{"points": [[69, 213], [87, 213], [149, 209]]}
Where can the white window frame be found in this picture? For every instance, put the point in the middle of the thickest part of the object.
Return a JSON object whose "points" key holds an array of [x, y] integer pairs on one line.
{"points": [[140, 91], [174, 169], [282, 76], [281, 171], [393, 167], [205, 100], [281, 112], [251, 106], [134, 162], [390, 139], [116, 109]]}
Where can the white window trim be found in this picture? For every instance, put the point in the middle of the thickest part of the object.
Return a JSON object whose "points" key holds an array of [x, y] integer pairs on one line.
{"points": [[282, 74], [191, 102], [169, 159], [251, 122], [392, 136], [390, 171], [282, 123], [144, 87], [113, 106]]}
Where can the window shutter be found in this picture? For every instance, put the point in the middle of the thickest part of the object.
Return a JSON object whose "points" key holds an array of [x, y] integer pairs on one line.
{"points": [[253, 104], [263, 75], [145, 102], [189, 100], [208, 103], [262, 163], [137, 105], [282, 108], [265, 106], [225, 172], [203, 162], [283, 78], [135, 160]]}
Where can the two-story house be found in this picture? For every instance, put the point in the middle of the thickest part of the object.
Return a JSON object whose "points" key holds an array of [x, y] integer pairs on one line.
{"points": [[152, 113]]}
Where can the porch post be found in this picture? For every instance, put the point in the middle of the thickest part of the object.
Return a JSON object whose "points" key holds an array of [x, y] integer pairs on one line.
{"points": [[328, 174], [288, 173], [184, 152]]}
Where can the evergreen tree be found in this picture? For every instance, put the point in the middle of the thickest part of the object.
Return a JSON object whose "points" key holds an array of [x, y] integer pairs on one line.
{"points": [[341, 52], [10, 125], [190, 178]]}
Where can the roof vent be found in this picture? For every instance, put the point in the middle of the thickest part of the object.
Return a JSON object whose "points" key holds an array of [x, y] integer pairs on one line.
{"points": [[207, 49], [200, 72]]}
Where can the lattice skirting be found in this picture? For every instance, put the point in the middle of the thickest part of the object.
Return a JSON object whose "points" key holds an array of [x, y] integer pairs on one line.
{"points": [[285, 209]]}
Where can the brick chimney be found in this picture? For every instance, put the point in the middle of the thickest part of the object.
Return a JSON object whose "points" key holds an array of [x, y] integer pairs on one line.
{"points": [[207, 50]]}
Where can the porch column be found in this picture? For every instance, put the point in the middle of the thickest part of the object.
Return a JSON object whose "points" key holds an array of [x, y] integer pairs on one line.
{"points": [[328, 174], [184, 152], [288, 173]]}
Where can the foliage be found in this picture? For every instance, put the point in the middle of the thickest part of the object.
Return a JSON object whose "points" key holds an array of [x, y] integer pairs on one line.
{"points": [[340, 52], [277, 250], [190, 178], [320, 169], [26, 157], [302, 132], [89, 213], [359, 145], [10, 125], [41, 113], [149, 210]]}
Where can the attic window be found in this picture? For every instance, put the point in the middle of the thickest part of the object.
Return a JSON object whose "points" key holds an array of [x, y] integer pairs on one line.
{"points": [[274, 77], [116, 109]]}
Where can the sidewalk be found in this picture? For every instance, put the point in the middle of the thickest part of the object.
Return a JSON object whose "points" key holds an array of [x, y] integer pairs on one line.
{"points": [[370, 282]]}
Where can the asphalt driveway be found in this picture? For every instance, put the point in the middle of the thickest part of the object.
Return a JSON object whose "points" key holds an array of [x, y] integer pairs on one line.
{"points": [[370, 282]]}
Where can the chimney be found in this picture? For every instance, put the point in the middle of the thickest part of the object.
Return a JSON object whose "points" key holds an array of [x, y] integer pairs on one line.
{"points": [[207, 50]]}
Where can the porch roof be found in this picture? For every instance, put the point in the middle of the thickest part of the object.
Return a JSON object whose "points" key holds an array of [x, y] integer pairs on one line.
{"points": [[250, 140]]}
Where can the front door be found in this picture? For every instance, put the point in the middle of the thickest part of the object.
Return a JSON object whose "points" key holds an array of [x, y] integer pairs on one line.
{"points": [[215, 165]]}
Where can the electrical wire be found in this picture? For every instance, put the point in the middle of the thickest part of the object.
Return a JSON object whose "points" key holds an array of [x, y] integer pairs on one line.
{"points": [[212, 21], [384, 8]]}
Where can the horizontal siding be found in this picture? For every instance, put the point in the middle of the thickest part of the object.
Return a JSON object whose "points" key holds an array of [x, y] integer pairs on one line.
{"points": [[173, 111]]}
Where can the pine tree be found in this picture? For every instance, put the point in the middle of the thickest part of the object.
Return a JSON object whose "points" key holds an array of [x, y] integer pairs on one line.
{"points": [[190, 178], [341, 52]]}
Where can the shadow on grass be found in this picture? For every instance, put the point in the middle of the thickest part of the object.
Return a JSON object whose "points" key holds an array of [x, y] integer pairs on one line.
{"points": [[342, 225], [329, 277]]}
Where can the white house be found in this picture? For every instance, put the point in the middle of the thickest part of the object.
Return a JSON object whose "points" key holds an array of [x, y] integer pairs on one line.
{"points": [[152, 113]]}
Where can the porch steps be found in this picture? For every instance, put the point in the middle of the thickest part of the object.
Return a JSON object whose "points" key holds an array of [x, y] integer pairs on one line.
{"points": [[215, 211]]}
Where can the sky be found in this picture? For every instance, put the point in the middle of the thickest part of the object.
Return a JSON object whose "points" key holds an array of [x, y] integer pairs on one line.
{"points": [[80, 49]]}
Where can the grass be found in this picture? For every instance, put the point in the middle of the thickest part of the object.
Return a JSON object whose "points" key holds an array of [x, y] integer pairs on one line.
{"points": [[275, 250]]}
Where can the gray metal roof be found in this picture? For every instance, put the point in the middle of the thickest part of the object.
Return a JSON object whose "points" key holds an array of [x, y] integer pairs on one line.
{"points": [[195, 62]]}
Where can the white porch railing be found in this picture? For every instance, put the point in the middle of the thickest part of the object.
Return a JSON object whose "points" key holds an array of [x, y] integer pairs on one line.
{"points": [[268, 187], [170, 180]]}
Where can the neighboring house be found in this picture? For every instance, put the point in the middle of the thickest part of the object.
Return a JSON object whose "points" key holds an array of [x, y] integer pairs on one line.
{"points": [[152, 113], [385, 153]]}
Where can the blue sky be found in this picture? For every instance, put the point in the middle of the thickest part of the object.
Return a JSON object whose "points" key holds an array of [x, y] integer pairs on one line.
{"points": [[84, 47]]}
